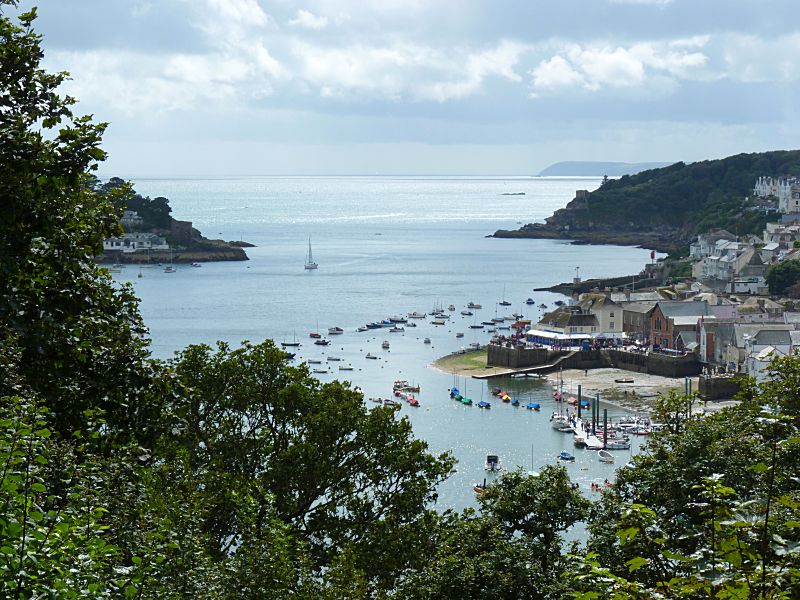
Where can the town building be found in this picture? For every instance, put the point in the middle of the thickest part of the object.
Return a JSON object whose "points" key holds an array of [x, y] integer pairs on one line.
{"points": [[135, 242]]}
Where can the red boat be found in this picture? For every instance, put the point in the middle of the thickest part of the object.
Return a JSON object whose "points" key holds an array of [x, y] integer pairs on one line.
{"points": [[314, 335]]}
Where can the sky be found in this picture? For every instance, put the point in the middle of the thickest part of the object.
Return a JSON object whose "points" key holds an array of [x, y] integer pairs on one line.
{"points": [[501, 87]]}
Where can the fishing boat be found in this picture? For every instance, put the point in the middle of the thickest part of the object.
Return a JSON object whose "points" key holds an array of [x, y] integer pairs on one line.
{"points": [[335, 331], [473, 305], [566, 456], [310, 264], [321, 342], [492, 463], [605, 456]]}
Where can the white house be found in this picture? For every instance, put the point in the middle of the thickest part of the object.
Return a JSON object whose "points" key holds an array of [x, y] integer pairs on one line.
{"points": [[135, 242]]}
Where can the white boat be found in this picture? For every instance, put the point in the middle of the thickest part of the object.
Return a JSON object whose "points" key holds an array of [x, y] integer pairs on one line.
{"points": [[169, 269], [605, 456], [362, 328], [345, 368], [335, 331], [196, 264], [416, 315], [492, 463], [310, 264]]}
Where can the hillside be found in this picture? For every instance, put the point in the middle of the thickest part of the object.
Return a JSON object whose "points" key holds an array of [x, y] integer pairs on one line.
{"points": [[665, 208], [597, 169]]}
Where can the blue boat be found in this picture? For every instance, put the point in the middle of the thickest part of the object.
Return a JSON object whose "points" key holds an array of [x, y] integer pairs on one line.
{"points": [[454, 392], [373, 325], [564, 455], [533, 406], [484, 404], [584, 404], [530, 301], [515, 402]]}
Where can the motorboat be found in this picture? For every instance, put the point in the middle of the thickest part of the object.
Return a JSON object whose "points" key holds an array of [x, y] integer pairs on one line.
{"points": [[398, 319], [451, 307], [437, 322], [492, 463], [335, 331], [345, 368], [320, 370], [313, 361], [467, 313], [385, 345], [459, 335], [605, 456], [196, 264], [515, 402], [476, 326], [473, 305], [622, 444], [321, 342], [543, 306], [411, 324], [416, 315], [484, 404], [362, 328], [533, 406], [530, 301], [426, 341], [314, 335], [373, 325], [371, 357], [566, 456], [333, 359], [489, 323], [396, 329]]}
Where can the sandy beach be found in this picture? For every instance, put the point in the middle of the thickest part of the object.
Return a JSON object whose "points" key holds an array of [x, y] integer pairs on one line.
{"points": [[639, 396]]}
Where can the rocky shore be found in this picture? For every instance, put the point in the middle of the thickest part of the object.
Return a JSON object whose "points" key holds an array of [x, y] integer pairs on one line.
{"points": [[221, 251], [660, 242]]}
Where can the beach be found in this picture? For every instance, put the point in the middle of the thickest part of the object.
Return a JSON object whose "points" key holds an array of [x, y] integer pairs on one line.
{"points": [[640, 395]]}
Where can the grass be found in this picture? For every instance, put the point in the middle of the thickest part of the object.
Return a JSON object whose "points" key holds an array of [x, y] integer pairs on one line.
{"points": [[470, 361]]}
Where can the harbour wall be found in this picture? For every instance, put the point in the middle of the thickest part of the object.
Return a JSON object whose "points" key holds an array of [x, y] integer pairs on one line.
{"points": [[718, 388], [543, 360]]}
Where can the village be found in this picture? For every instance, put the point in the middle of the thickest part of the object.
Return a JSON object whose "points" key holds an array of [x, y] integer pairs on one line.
{"points": [[719, 323]]}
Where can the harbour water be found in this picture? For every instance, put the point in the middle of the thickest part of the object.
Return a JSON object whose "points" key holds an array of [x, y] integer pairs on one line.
{"points": [[385, 246]]}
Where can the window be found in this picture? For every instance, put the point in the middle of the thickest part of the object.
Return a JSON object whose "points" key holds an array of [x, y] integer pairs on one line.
{"points": [[611, 325], [611, 315], [658, 324]]}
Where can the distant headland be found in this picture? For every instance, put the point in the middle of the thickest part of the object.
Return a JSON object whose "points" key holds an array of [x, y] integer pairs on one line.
{"points": [[597, 169], [149, 234]]}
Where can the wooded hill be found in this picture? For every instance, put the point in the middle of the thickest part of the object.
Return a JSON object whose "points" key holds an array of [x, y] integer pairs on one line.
{"points": [[675, 202]]}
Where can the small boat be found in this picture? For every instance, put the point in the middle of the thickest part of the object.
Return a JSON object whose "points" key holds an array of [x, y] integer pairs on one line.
{"points": [[451, 307], [362, 328], [566, 456], [559, 303], [314, 335], [543, 306], [413, 402], [371, 357], [459, 335], [385, 345], [498, 319], [196, 264], [345, 368], [333, 359], [467, 313], [624, 380], [473, 305], [398, 319], [476, 326], [377, 400], [391, 402], [489, 323], [475, 346], [605, 456], [310, 264], [169, 269], [313, 361], [416, 315], [515, 402], [492, 463], [396, 330], [335, 330], [533, 406], [623, 444], [320, 371], [484, 404], [530, 301], [426, 341], [411, 324], [479, 488], [437, 322], [373, 325], [321, 342]]}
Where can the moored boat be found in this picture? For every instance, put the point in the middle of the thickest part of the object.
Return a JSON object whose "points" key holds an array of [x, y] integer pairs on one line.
{"points": [[335, 330], [321, 342], [484, 404], [493, 463], [605, 456], [566, 456]]}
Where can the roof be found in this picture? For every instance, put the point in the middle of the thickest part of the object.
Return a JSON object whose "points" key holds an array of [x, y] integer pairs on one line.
{"points": [[690, 320], [740, 330], [791, 317], [766, 353], [771, 246], [638, 307], [684, 309], [773, 337]]}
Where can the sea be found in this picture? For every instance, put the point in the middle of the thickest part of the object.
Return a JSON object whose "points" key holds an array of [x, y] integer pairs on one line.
{"points": [[385, 246]]}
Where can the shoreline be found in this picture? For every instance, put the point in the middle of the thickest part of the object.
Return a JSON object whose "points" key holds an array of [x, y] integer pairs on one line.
{"points": [[639, 396]]}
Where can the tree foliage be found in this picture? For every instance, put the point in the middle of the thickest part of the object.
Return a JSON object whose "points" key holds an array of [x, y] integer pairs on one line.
{"points": [[782, 276]]}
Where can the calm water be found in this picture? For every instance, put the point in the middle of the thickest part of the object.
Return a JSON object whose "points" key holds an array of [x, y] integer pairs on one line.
{"points": [[385, 246]]}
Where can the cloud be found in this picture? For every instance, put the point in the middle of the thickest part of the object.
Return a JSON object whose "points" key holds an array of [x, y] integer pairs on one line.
{"points": [[750, 59], [246, 12], [309, 20], [596, 67]]}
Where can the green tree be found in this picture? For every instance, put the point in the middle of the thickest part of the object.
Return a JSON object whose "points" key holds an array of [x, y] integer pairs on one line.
{"points": [[783, 275]]}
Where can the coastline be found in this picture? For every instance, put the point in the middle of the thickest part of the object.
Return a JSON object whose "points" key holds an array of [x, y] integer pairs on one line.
{"points": [[639, 396]]}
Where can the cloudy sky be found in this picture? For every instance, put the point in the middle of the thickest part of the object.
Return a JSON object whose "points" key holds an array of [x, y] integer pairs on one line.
{"points": [[426, 86]]}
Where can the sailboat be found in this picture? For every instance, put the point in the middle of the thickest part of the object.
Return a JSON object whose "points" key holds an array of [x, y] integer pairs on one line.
{"points": [[505, 302], [293, 344], [310, 264]]}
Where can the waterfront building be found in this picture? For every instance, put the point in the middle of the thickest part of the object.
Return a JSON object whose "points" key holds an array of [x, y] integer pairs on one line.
{"points": [[135, 242], [668, 319]]}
